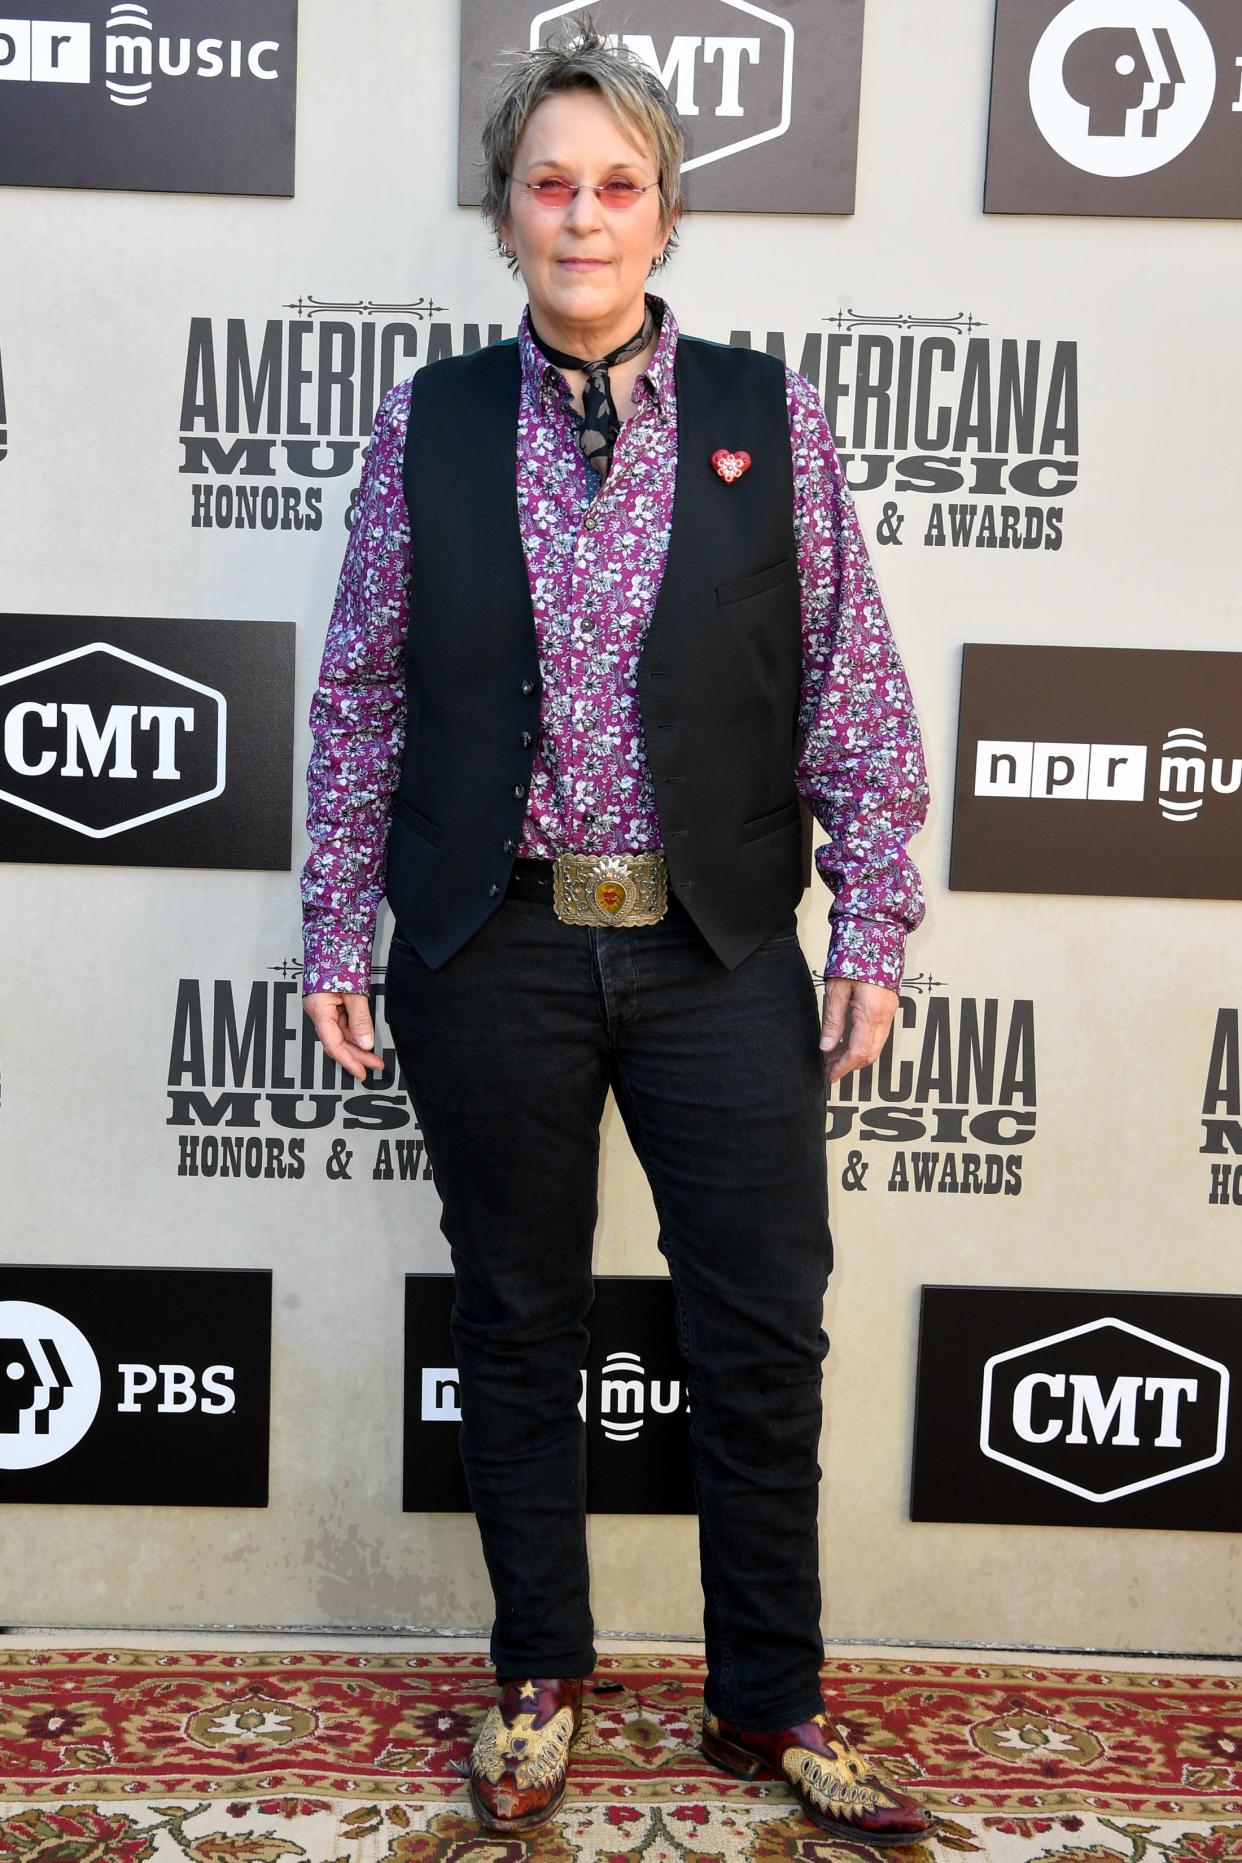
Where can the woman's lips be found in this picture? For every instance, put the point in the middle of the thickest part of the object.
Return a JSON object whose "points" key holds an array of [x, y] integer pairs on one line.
{"points": [[582, 265]]}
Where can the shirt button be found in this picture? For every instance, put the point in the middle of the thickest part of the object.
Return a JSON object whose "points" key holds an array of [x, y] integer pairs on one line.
{"points": [[527, 740], [492, 890], [528, 686], [588, 817], [519, 790]]}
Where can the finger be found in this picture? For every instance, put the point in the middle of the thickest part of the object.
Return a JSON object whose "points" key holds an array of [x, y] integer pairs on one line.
{"points": [[836, 1003], [355, 1061], [332, 1027], [836, 1066], [361, 1036], [361, 1028], [338, 1048], [867, 1039]]}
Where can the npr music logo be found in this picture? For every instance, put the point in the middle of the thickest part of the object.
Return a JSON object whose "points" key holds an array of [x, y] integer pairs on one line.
{"points": [[626, 1395], [1107, 772], [46, 51], [1121, 87], [1094, 772]]}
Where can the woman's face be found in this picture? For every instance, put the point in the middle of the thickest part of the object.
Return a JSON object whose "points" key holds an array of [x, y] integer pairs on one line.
{"points": [[585, 265]]}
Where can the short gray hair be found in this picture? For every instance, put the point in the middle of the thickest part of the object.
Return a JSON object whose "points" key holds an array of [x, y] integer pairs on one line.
{"points": [[581, 60]]}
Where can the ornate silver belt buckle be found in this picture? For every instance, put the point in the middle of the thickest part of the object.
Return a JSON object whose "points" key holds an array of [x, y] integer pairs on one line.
{"points": [[610, 889]]}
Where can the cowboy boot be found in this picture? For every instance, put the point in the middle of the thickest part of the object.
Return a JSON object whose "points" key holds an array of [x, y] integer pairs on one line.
{"points": [[836, 1787], [521, 1754]]}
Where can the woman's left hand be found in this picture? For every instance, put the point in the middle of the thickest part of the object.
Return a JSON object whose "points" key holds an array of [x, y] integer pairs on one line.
{"points": [[857, 1018]]}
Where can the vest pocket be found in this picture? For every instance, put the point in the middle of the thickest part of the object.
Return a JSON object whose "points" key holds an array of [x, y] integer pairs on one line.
{"points": [[425, 829], [768, 824], [758, 583]]}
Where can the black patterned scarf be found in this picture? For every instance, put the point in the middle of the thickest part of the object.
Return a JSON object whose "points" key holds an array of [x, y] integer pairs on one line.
{"points": [[599, 424]]}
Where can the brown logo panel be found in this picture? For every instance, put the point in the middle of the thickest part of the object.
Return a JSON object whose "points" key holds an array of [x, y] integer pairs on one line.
{"points": [[1099, 770], [767, 94], [1116, 107]]}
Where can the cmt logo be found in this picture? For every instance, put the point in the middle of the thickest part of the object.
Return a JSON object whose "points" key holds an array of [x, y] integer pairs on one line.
{"points": [[705, 73], [58, 51], [101, 741], [1104, 1410], [49, 1385], [1121, 87]]}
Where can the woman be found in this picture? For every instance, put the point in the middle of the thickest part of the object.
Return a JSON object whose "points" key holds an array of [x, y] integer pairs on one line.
{"points": [[567, 731]]}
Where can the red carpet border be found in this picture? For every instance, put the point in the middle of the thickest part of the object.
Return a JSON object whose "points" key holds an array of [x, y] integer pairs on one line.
{"points": [[256, 1757]]}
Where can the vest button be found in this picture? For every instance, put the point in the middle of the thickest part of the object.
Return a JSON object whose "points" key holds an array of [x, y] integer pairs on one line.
{"points": [[509, 845], [528, 686], [519, 790], [527, 740], [492, 890]]}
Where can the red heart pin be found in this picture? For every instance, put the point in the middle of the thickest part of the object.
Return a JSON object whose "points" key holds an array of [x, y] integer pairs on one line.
{"points": [[729, 465]]}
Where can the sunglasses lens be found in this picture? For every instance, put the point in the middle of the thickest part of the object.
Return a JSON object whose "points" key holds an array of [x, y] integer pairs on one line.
{"points": [[553, 193]]}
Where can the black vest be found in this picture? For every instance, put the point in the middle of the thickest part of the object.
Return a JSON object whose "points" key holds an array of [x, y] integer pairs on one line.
{"points": [[718, 676]]}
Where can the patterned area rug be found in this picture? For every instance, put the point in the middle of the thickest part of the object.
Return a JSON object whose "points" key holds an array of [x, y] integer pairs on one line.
{"points": [[118, 1757]]}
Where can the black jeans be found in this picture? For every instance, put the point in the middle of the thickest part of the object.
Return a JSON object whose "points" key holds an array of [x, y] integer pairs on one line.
{"points": [[509, 1051]]}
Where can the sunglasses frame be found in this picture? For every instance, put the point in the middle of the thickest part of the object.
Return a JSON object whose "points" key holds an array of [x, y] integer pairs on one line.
{"points": [[593, 187]]}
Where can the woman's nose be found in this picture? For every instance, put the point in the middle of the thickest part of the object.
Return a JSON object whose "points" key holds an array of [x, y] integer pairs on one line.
{"points": [[584, 210]]}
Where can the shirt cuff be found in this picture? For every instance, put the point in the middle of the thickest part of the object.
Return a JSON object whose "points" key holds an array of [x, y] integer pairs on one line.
{"points": [[868, 951], [339, 963]]}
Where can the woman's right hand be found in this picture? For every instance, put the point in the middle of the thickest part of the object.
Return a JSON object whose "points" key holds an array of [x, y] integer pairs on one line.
{"points": [[344, 1027]]}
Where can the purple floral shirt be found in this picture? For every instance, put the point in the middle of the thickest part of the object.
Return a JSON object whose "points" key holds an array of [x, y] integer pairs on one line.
{"points": [[595, 556]]}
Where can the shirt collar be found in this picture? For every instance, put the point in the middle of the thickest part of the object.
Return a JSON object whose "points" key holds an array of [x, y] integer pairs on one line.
{"points": [[544, 379]]}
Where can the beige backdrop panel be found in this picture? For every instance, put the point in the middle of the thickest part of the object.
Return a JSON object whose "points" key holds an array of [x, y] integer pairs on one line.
{"points": [[96, 294]]}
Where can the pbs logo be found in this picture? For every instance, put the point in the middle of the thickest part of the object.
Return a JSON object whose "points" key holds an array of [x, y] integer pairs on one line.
{"points": [[1121, 87], [49, 1385]]}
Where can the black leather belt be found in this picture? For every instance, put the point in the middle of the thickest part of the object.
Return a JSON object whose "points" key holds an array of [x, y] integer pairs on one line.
{"points": [[530, 879]]}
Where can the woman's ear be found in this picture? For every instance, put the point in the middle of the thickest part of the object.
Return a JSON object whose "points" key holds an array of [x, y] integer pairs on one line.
{"points": [[670, 229], [658, 255]]}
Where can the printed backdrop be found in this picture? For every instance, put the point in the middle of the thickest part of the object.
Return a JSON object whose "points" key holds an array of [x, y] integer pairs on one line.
{"points": [[1038, 406]]}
